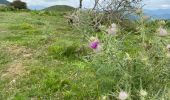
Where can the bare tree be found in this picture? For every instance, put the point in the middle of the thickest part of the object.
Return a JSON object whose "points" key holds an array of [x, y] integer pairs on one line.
{"points": [[117, 9], [104, 12]]}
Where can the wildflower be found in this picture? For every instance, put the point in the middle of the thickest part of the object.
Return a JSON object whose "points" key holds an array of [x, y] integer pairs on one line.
{"points": [[143, 93], [139, 11], [98, 50], [168, 47], [162, 32], [112, 29], [113, 25], [123, 95], [168, 55], [94, 44], [13, 82], [104, 98]]}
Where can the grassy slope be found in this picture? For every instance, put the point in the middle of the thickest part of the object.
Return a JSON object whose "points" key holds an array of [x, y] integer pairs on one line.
{"points": [[59, 8], [37, 59], [34, 62]]}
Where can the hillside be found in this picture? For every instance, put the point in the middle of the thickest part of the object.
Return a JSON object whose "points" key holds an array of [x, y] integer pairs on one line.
{"points": [[44, 58], [158, 13], [4, 2], [59, 8]]}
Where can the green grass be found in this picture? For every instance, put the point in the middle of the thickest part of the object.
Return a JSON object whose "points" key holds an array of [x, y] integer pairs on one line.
{"points": [[54, 69], [46, 54]]}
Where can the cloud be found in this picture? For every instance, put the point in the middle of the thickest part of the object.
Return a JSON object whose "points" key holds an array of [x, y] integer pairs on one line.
{"points": [[157, 4], [38, 4], [165, 5]]}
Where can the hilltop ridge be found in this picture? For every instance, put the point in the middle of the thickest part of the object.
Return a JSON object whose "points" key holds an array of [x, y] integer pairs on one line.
{"points": [[4, 2]]}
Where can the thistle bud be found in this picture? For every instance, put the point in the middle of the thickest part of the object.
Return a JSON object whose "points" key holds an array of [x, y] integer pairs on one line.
{"points": [[162, 32], [143, 93], [112, 29], [123, 95], [139, 11], [168, 47]]}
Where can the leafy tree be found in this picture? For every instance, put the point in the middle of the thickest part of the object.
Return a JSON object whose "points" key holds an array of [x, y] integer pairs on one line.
{"points": [[18, 4]]}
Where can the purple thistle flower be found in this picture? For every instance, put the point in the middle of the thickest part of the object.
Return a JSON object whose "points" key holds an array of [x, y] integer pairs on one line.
{"points": [[94, 44]]}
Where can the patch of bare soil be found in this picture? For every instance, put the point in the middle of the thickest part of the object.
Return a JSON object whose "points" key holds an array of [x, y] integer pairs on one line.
{"points": [[15, 69], [19, 50]]}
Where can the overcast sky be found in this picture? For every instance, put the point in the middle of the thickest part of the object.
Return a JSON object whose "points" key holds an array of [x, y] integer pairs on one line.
{"points": [[39, 4]]}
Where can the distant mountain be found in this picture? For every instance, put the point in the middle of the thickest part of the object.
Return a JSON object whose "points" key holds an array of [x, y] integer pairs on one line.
{"points": [[59, 8], [4, 2], [158, 13]]}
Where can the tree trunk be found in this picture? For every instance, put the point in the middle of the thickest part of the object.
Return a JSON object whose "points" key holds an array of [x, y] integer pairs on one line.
{"points": [[95, 4], [81, 1]]}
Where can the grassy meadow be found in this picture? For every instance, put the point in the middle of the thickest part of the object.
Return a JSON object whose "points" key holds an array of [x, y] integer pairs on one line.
{"points": [[30, 62], [41, 58]]}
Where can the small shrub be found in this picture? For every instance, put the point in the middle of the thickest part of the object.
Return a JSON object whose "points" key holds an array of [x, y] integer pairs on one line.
{"points": [[6, 8], [3, 7]]}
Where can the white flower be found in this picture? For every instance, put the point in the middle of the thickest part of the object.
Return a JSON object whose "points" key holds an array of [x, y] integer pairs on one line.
{"points": [[162, 32], [143, 93], [168, 47], [13, 82], [123, 95], [113, 25], [112, 29], [139, 11], [104, 98], [168, 55]]}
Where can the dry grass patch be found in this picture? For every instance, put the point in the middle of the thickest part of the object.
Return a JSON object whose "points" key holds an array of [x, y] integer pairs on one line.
{"points": [[15, 70]]}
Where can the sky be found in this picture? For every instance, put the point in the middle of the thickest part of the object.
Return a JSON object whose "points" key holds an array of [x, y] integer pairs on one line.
{"points": [[40, 4]]}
